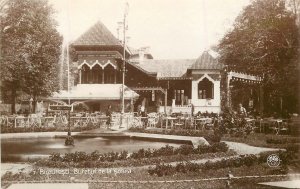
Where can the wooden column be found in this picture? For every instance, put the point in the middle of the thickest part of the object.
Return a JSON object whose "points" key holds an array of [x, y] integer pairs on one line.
{"points": [[102, 76], [79, 76], [91, 76], [166, 101], [115, 76], [228, 100]]}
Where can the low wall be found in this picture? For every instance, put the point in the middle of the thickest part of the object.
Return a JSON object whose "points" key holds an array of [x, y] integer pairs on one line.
{"points": [[209, 109]]}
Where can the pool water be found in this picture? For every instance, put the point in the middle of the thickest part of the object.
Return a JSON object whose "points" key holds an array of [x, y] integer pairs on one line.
{"points": [[18, 150]]}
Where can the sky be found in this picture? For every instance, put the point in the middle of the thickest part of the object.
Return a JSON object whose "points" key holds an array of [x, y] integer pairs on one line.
{"points": [[173, 29]]}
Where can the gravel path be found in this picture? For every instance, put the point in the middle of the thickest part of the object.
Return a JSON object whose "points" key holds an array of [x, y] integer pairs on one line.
{"points": [[15, 168], [242, 148]]}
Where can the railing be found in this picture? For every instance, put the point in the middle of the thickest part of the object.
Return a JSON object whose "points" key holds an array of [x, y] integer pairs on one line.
{"points": [[55, 121]]}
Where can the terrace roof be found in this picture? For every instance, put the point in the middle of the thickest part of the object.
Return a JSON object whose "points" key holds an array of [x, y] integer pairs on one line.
{"points": [[94, 92]]}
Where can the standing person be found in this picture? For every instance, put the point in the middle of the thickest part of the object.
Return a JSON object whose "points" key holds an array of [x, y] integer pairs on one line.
{"points": [[139, 110], [192, 109], [242, 111], [108, 114], [143, 111]]}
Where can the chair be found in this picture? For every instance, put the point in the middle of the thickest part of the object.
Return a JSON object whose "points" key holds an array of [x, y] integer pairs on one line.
{"points": [[152, 120], [137, 122], [209, 123], [115, 120], [51, 123], [275, 126], [3, 121], [179, 123], [20, 122], [284, 127], [94, 120]]}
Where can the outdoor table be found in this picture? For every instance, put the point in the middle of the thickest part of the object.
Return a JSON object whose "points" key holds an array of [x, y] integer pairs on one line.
{"points": [[270, 122], [103, 118], [184, 119], [201, 120], [139, 121], [79, 121], [171, 120]]}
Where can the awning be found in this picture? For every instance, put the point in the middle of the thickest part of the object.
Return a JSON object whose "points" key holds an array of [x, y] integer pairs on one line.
{"points": [[95, 92]]}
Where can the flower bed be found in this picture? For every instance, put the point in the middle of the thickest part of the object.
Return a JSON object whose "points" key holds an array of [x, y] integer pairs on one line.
{"points": [[141, 157], [162, 169]]}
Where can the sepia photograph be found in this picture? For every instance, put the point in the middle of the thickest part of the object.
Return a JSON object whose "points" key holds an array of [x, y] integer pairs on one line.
{"points": [[134, 94]]}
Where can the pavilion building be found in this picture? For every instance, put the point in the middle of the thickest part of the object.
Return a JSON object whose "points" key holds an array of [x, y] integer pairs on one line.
{"points": [[159, 85]]}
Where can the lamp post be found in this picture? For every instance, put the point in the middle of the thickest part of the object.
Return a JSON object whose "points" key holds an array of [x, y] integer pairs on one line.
{"points": [[124, 61]]}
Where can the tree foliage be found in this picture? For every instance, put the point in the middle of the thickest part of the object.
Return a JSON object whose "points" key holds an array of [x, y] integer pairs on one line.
{"points": [[30, 47], [264, 42]]}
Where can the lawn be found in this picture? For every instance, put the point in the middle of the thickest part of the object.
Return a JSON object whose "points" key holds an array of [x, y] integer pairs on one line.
{"points": [[264, 140]]}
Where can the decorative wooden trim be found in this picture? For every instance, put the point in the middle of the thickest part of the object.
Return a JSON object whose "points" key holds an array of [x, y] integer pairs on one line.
{"points": [[97, 63], [174, 78], [243, 76], [149, 89]]}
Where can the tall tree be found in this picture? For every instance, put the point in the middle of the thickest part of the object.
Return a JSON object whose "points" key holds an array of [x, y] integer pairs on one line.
{"points": [[264, 42], [30, 48]]}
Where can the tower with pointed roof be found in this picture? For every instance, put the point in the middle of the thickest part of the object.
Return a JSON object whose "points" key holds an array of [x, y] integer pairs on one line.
{"points": [[98, 60]]}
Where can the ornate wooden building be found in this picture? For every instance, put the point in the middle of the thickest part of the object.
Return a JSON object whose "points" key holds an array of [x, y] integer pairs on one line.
{"points": [[159, 85]]}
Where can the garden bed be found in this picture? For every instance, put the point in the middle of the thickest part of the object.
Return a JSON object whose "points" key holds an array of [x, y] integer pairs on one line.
{"points": [[140, 158]]}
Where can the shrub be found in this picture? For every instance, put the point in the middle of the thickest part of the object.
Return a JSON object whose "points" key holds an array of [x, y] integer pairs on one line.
{"points": [[95, 155], [95, 158], [123, 155], [219, 147], [55, 157], [80, 156], [162, 170], [185, 150], [239, 161], [163, 151]]}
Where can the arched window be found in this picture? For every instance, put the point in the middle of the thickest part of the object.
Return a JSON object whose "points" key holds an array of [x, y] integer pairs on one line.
{"points": [[85, 71], [109, 75], [97, 74], [205, 89]]}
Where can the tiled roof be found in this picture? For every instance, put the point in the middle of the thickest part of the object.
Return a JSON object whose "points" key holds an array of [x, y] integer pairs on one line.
{"points": [[97, 35], [177, 67], [166, 68], [206, 62]]}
